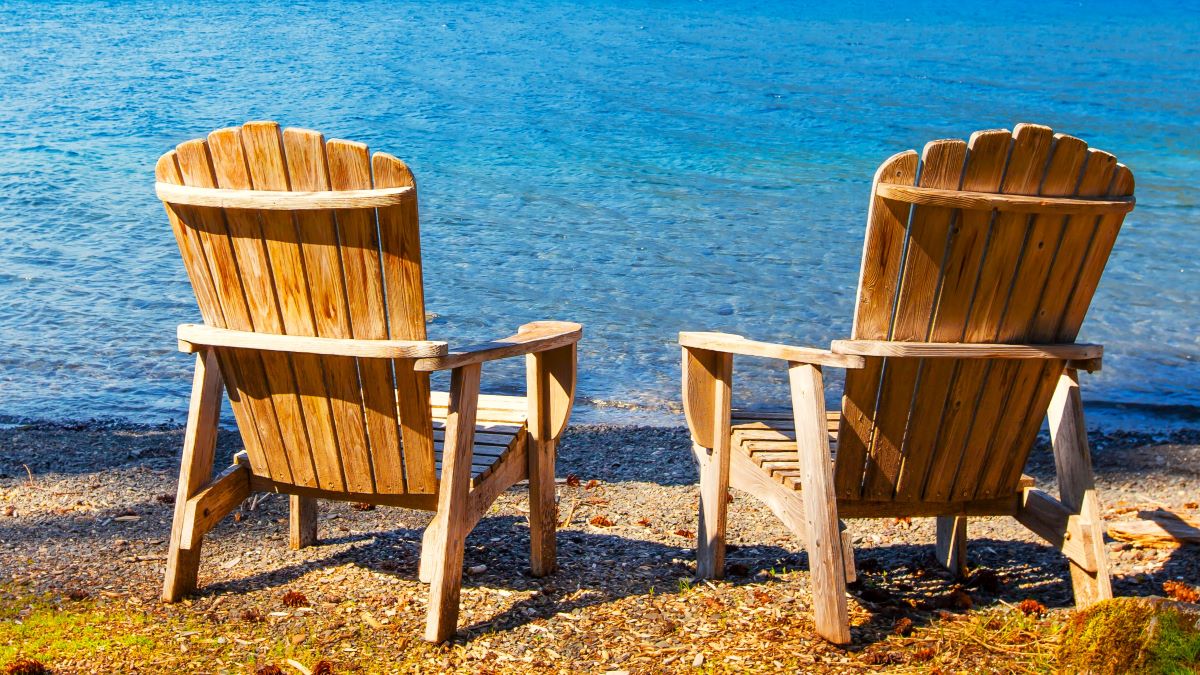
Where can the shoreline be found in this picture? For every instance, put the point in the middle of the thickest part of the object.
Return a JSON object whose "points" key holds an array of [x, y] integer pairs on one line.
{"points": [[1150, 421]]}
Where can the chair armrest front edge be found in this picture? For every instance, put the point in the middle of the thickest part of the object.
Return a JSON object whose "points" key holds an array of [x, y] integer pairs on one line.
{"points": [[531, 338], [736, 344]]}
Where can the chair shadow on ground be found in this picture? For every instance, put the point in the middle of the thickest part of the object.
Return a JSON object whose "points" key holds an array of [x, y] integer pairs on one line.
{"points": [[597, 567]]}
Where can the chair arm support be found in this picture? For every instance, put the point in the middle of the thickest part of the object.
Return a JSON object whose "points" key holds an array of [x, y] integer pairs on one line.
{"points": [[531, 338], [194, 337], [736, 344]]}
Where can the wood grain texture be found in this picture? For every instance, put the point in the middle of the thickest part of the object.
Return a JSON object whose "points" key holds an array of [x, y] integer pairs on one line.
{"points": [[1012, 388], [929, 227], [281, 200], [714, 476], [199, 444], [307, 171], [313, 308], [213, 246], [1077, 488], [959, 441], [699, 378], [442, 616], [824, 542], [967, 350], [887, 223], [302, 521], [783, 501], [530, 338], [952, 544], [1048, 518], [196, 336], [213, 502], [987, 201], [350, 169], [400, 256], [270, 386], [1069, 278], [938, 418], [266, 163], [736, 344], [550, 378]]}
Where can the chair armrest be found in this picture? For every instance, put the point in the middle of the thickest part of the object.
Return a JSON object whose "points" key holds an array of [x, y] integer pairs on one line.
{"points": [[736, 344], [194, 337], [531, 338], [1077, 355]]}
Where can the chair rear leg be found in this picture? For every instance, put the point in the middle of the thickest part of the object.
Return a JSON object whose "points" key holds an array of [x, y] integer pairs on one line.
{"points": [[952, 544], [1076, 484], [448, 539], [848, 554], [199, 445], [302, 522]]}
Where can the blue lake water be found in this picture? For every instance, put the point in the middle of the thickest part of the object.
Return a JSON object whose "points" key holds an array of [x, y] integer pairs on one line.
{"points": [[642, 168]]}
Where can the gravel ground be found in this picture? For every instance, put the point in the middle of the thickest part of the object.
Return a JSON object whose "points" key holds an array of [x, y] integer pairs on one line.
{"points": [[86, 509]]}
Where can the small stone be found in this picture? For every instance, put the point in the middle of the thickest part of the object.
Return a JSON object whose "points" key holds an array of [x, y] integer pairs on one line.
{"points": [[476, 569], [698, 661]]}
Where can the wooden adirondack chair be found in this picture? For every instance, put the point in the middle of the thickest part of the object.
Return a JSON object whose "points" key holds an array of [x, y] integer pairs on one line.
{"points": [[305, 259], [980, 262]]}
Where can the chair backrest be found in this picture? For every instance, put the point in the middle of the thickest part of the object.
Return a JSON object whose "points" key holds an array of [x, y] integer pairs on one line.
{"points": [[337, 424], [959, 430]]}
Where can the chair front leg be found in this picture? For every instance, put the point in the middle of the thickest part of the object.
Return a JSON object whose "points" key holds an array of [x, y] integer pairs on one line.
{"points": [[1076, 484], [451, 520], [195, 470], [826, 566], [550, 382], [714, 471]]}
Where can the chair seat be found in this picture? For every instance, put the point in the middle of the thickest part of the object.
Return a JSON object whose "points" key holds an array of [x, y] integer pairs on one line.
{"points": [[499, 428], [768, 437]]}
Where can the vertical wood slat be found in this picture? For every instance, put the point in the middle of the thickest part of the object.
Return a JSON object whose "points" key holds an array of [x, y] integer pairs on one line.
{"points": [[200, 274], [266, 162], [211, 255], [271, 387], [941, 167], [1070, 279], [307, 171], [1011, 384], [987, 155], [1007, 277], [291, 273], [886, 223], [1097, 257], [1026, 165], [400, 243], [350, 169]]}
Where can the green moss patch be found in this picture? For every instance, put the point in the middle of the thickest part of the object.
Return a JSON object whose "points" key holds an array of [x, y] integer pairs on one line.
{"points": [[1124, 635]]}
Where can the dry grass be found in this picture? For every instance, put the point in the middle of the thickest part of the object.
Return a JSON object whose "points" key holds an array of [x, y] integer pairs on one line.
{"points": [[714, 628]]}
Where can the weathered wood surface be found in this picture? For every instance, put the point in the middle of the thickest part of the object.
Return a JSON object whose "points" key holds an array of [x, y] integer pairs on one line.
{"points": [[979, 262], [305, 257]]}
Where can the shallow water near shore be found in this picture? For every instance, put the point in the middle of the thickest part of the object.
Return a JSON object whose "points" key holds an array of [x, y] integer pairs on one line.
{"points": [[642, 169]]}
